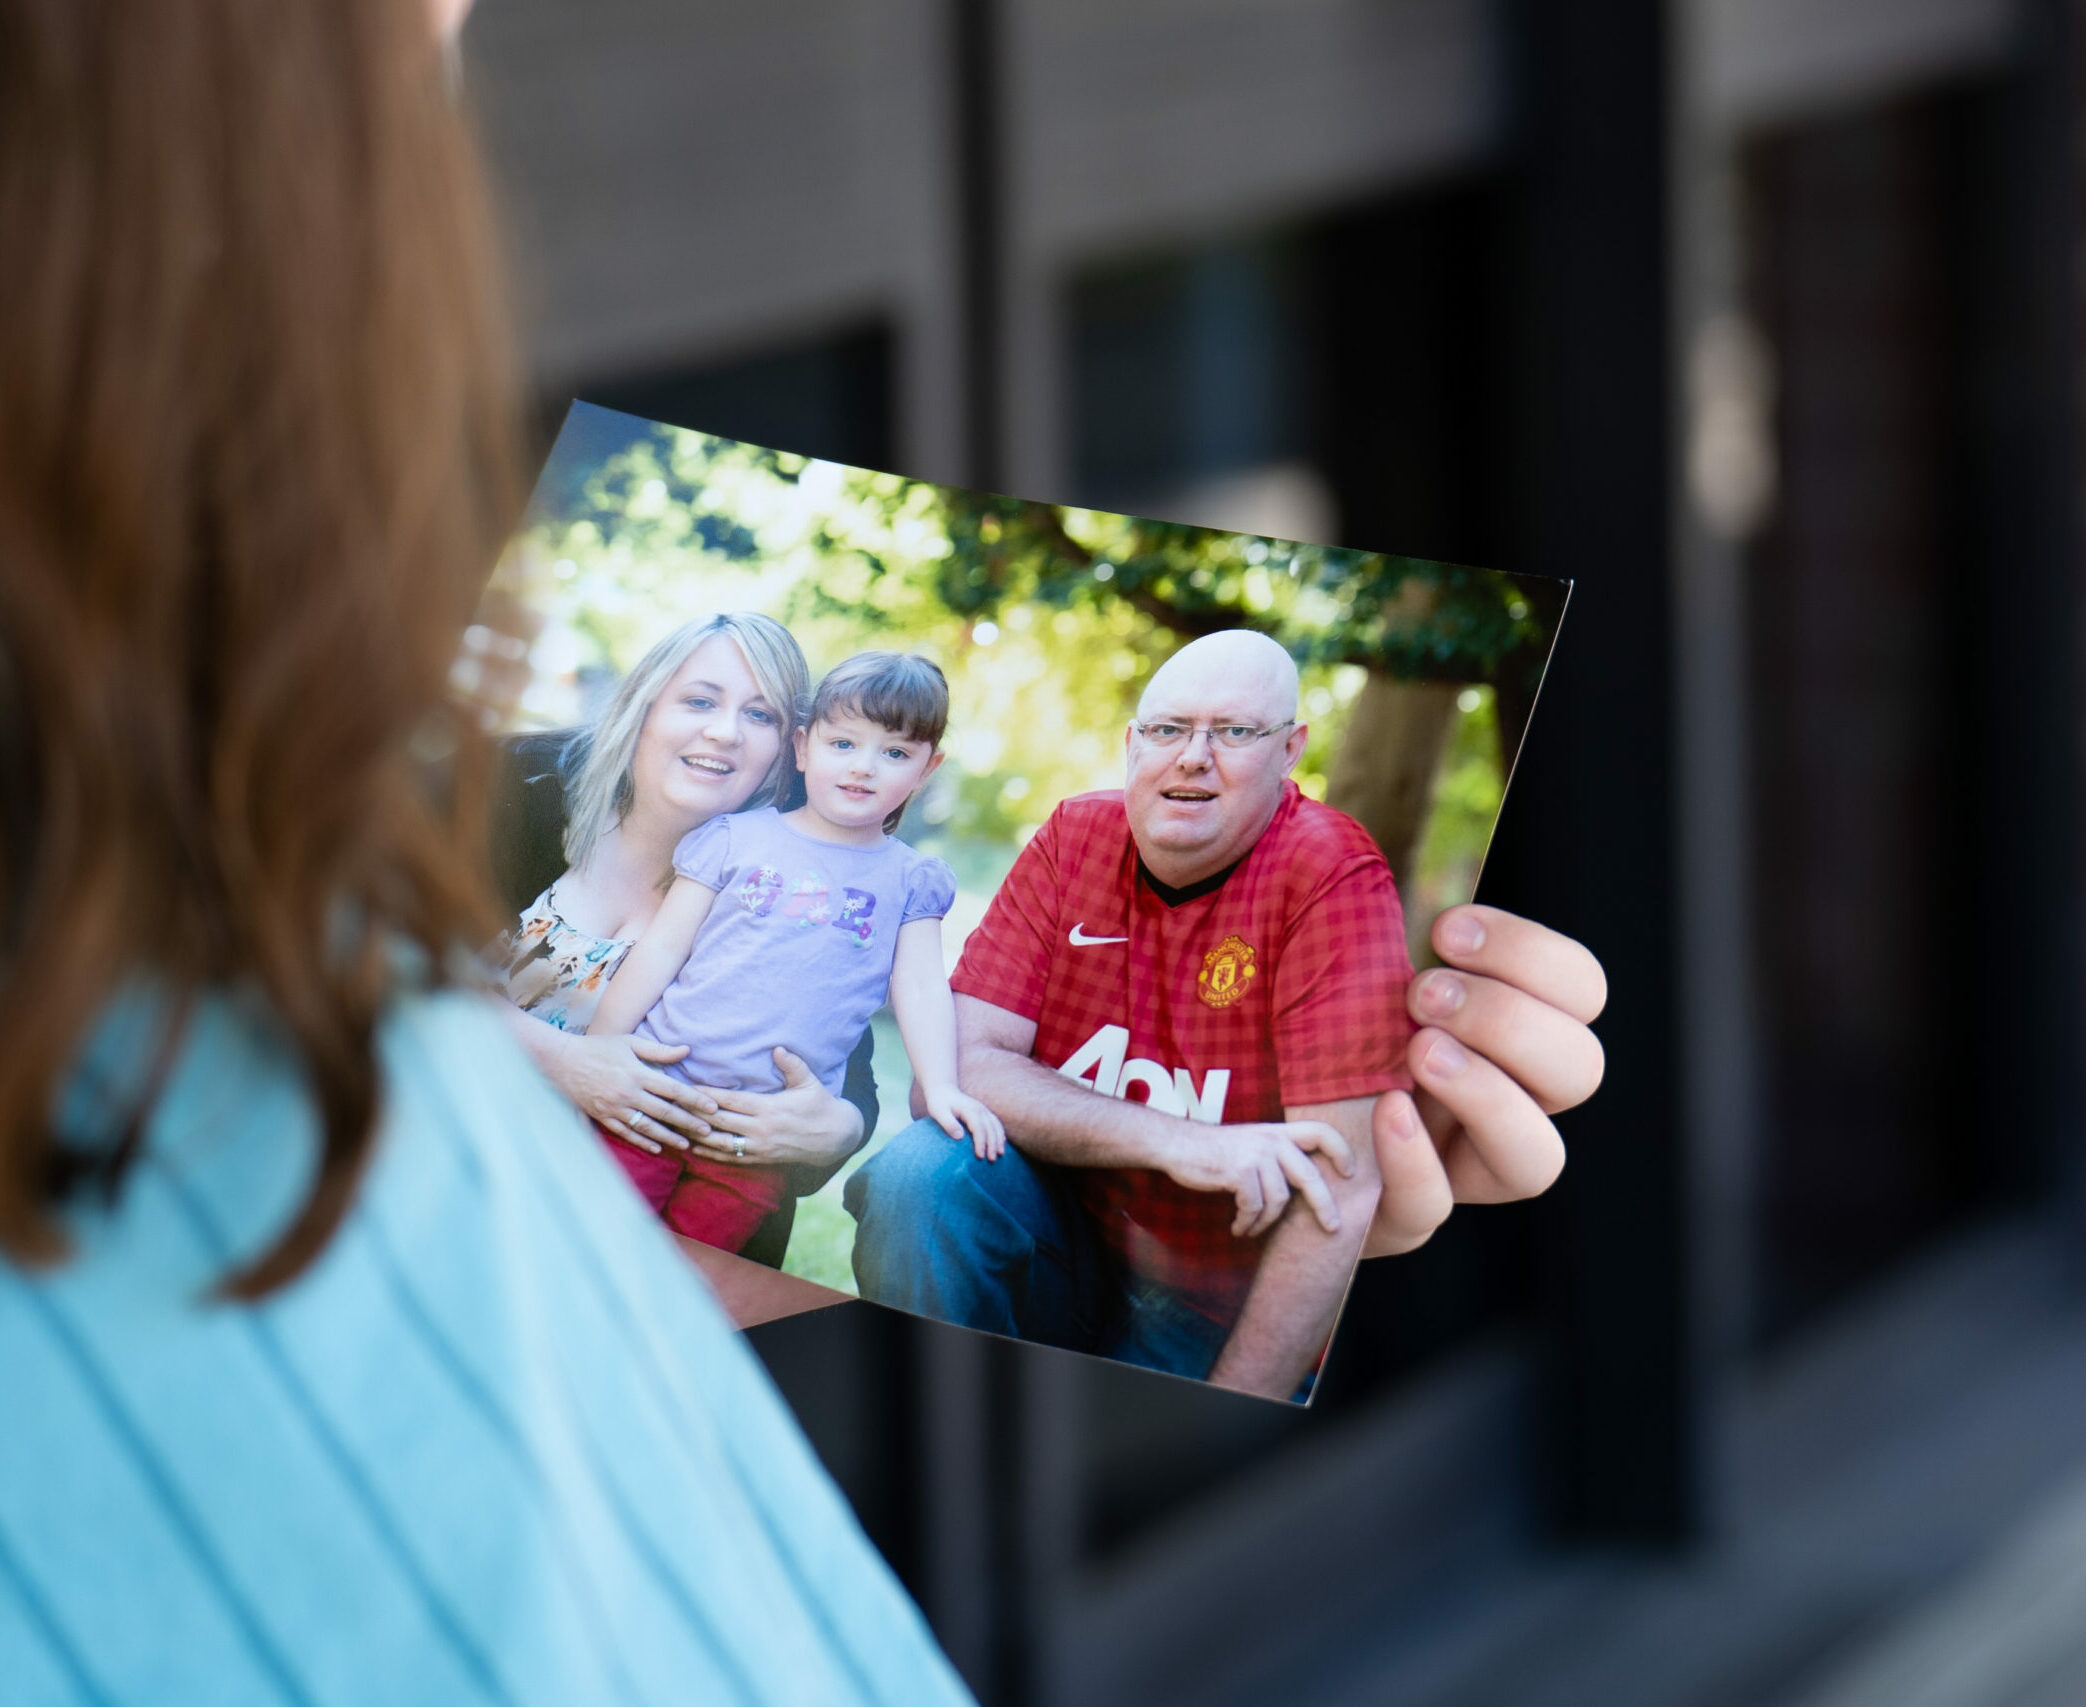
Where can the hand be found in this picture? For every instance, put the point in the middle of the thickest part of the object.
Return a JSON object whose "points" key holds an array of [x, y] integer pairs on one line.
{"points": [[615, 1081], [1259, 1164], [957, 1114], [801, 1125], [1503, 1044]]}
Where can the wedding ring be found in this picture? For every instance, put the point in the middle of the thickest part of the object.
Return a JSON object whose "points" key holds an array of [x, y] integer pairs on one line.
{"points": [[739, 1149]]}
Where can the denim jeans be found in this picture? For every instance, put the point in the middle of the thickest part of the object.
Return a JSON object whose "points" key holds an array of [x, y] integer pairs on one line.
{"points": [[1006, 1246]]}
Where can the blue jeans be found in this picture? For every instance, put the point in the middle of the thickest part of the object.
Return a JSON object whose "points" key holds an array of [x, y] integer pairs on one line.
{"points": [[1006, 1246]]}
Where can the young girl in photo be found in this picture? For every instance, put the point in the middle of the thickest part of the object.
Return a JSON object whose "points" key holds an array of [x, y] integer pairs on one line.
{"points": [[791, 928]]}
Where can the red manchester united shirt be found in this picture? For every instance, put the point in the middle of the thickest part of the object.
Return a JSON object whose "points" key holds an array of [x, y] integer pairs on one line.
{"points": [[1282, 986]]}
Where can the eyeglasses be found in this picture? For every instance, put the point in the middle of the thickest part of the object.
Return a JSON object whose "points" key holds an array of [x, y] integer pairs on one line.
{"points": [[1234, 736]]}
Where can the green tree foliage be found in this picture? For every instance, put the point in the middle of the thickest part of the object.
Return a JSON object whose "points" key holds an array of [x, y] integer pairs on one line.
{"points": [[893, 550], [1406, 616], [1071, 609]]}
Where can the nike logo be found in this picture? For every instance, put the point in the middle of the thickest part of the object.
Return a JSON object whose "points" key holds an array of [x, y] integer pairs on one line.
{"points": [[1081, 940]]}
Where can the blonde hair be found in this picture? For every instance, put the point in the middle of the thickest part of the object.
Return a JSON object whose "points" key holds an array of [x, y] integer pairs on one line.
{"points": [[598, 788]]}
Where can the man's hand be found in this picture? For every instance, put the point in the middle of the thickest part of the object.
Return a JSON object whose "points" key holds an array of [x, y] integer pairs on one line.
{"points": [[1306, 1263], [803, 1125], [1259, 1165], [1503, 1044], [1056, 1119]]}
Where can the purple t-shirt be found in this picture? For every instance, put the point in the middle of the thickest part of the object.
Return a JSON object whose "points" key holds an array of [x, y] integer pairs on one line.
{"points": [[797, 949]]}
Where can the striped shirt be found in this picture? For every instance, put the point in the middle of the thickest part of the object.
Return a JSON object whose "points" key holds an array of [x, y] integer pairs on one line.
{"points": [[498, 1445]]}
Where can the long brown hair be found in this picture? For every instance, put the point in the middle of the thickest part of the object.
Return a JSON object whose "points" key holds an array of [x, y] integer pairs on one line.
{"points": [[255, 461]]}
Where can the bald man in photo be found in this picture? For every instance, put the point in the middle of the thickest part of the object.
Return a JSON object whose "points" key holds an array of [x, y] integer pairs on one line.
{"points": [[1185, 1002]]}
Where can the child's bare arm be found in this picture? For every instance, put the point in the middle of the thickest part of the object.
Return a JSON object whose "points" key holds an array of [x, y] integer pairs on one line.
{"points": [[921, 1002], [654, 959], [926, 1015]]}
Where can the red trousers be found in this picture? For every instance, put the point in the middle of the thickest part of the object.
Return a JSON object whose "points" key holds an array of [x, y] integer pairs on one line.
{"points": [[720, 1203]]}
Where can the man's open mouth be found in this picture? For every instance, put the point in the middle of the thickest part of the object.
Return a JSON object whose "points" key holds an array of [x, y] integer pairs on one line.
{"points": [[1189, 794]]}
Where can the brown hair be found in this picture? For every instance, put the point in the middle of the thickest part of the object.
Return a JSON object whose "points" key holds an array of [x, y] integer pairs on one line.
{"points": [[899, 690], [255, 462]]}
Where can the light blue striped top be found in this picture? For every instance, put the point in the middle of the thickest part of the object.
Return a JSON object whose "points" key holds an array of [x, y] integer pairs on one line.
{"points": [[497, 1446]]}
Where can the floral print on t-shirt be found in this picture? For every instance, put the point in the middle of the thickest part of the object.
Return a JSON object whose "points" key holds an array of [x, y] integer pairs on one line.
{"points": [[555, 972]]}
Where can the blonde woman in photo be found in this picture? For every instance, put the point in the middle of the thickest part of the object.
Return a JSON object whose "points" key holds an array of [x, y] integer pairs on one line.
{"points": [[701, 726]]}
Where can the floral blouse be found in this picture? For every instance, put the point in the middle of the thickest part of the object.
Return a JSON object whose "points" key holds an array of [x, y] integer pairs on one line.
{"points": [[555, 972]]}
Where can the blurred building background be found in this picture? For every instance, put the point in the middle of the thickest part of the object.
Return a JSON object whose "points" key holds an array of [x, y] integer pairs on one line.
{"points": [[1759, 318]]}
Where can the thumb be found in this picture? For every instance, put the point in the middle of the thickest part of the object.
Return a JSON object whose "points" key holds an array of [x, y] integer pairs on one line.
{"points": [[795, 1075]]}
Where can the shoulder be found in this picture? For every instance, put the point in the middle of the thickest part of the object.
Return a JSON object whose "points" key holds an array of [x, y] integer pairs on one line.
{"points": [[1313, 824], [445, 1046], [1080, 829], [1317, 864], [234, 1134], [914, 861], [494, 1264], [470, 1122], [1318, 841], [712, 842], [929, 883], [538, 919], [1100, 811]]}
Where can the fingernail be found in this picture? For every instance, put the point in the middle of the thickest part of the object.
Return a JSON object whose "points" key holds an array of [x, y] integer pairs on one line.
{"points": [[1462, 933], [1442, 993], [1444, 1058], [1405, 1121]]}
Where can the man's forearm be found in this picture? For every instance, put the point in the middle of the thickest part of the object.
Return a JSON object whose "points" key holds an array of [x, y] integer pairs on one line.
{"points": [[1304, 1271], [1056, 1119]]}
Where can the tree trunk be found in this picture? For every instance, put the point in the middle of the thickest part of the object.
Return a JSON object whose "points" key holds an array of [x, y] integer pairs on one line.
{"points": [[1384, 773]]}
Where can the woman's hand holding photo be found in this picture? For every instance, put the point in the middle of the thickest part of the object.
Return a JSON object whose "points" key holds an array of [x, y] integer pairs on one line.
{"points": [[1505, 1042]]}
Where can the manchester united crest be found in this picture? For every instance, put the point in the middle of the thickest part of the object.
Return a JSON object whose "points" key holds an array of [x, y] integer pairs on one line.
{"points": [[1226, 971]]}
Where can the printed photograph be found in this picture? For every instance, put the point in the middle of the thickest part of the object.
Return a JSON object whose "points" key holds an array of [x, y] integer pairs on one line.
{"points": [[995, 910]]}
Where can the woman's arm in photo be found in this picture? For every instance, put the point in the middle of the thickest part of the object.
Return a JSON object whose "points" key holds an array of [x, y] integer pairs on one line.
{"points": [[654, 960], [615, 1081]]}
